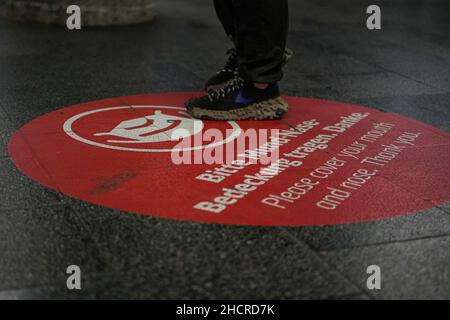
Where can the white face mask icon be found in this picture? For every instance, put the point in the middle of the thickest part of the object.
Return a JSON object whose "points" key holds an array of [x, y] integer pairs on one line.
{"points": [[162, 124], [158, 127]]}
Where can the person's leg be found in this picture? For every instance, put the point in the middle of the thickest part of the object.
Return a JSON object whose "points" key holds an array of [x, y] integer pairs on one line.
{"points": [[261, 28], [261, 41], [251, 92], [225, 13]]}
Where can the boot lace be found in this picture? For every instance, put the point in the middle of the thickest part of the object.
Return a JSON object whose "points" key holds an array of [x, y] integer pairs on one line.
{"points": [[230, 65], [234, 85]]}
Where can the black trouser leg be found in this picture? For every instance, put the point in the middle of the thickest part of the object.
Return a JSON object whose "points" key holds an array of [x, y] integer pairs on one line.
{"points": [[259, 29], [225, 12]]}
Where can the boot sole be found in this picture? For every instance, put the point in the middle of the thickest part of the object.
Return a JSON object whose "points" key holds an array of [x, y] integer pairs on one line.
{"points": [[266, 110]]}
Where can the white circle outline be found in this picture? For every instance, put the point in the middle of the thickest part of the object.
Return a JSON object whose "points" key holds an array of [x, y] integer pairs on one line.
{"points": [[69, 123]]}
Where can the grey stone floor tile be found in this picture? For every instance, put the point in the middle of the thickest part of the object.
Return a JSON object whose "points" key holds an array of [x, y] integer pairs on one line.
{"points": [[353, 297], [38, 244], [150, 258], [379, 84], [6, 131], [445, 207], [44, 293], [425, 68], [429, 223], [409, 270], [431, 109], [330, 64], [19, 191], [421, 41]]}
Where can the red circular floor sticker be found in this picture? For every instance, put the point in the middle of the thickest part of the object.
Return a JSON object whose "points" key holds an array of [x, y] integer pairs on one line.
{"points": [[325, 163]]}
